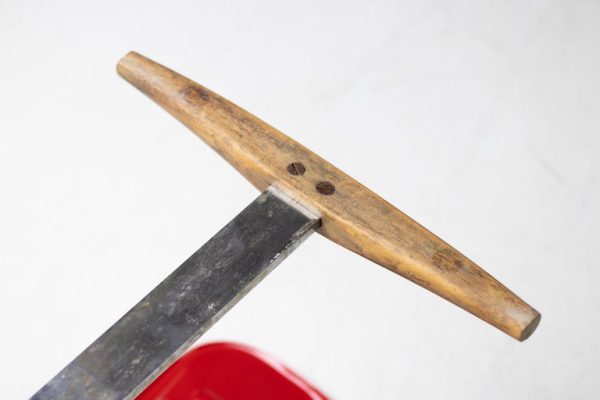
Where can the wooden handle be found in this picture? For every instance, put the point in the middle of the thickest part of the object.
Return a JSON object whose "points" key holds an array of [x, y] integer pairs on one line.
{"points": [[352, 215]]}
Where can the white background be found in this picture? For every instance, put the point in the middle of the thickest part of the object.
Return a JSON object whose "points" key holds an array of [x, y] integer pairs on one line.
{"points": [[479, 119]]}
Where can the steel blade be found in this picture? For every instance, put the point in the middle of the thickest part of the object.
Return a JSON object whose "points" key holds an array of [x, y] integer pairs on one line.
{"points": [[146, 340]]}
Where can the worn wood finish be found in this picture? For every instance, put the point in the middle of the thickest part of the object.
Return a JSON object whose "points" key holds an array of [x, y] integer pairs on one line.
{"points": [[352, 215]]}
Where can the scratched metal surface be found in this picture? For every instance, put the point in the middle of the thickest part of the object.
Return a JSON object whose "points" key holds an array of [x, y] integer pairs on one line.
{"points": [[146, 340]]}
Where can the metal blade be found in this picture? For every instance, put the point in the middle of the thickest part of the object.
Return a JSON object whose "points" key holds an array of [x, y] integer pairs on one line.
{"points": [[146, 340]]}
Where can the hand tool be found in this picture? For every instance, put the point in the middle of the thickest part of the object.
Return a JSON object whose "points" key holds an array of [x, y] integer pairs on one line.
{"points": [[301, 193]]}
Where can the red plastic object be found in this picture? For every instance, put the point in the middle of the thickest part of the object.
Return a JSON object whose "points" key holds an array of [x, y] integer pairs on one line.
{"points": [[229, 371]]}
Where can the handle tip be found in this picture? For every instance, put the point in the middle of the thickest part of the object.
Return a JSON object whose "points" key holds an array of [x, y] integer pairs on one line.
{"points": [[530, 327], [129, 63], [125, 63]]}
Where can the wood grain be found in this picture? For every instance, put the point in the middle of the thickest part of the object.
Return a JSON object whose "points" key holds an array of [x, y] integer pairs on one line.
{"points": [[352, 215]]}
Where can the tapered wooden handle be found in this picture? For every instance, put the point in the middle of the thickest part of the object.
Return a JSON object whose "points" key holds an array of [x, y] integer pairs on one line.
{"points": [[352, 215]]}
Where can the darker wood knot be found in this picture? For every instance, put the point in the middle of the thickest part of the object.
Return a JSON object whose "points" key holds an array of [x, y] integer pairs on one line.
{"points": [[447, 260], [325, 188], [450, 260], [296, 168], [195, 94]]}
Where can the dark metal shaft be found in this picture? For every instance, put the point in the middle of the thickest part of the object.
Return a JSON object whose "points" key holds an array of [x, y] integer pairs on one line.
{"points": [[146, 340]]}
